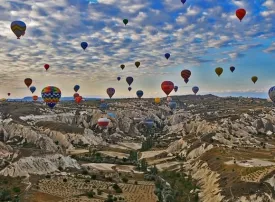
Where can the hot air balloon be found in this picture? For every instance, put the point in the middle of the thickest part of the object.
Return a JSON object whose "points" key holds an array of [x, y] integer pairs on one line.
{"points": [[18, 28], [137, 63], [51, 95], [139, 93], [195, 89], [254, 79], [271, 94], [232, 69], [32, 89], [78, 99], [46, 66], [167, 87], [149, 123], [103, 106], [103, 122], [112, 115], [76, 88], [28, 82], [84, 45], [240, 13], [176, 88], [183, 1], [9, 94], [185, 74], [172, 105], [157, 100], [118, 78], [76, 95], [122, 66], [102, 100], [169, 99], [110, 92], [129, 88], [35, 97], [129, 80], [186, 80], [125, 21], [167, 55], [219, 71]]}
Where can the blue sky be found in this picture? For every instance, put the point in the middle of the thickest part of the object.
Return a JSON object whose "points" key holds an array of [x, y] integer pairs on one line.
{"points": [[200, 35]]}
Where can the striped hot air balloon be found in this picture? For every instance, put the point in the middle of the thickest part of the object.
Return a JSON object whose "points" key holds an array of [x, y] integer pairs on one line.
{"points": [[185, 74], [51, 95], [18, 28]]}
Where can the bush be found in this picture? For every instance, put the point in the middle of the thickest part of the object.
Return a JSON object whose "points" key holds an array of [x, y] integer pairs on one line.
{"points": [[48, 176], [90, 194], [99, 192], [60, 168], [125, 180], [16, 189], [65, 180], [93, 177], [136, 183], [85, 172]]}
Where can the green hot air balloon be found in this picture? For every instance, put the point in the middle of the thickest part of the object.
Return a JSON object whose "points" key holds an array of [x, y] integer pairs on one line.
{"points": [[125, 21]]}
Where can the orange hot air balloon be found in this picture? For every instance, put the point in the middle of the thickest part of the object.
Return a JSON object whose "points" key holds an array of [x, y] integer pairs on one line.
{"points": [[185, 74], [157, 100], [78, 99], [28, 82], [254, 79], [35, 97], [240, 13], [219, 71]]}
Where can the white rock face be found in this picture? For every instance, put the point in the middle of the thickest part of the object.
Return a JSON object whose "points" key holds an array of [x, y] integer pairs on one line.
{"points": [[39, 165]]}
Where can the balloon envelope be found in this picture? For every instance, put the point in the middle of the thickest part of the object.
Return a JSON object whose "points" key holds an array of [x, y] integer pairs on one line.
{"points": [[125, 21], [35, 97], [185, 74], [129, 88], [172, 105], [186, 80], [137, 63], [51, 95], [110, 92], [271, 93], [195, 89], [78, 99], [9, 94], [139, 93], [240, 13], [176, 88], [129, 80], [167, 87], [149, 123], [254, 79], [112, 115], [232, 69], [32, 89], [157, 100], [167, 55], [28, 82], [219, 71], [18, 28], [76, 88], [118, 78], [169, 99], [122, 66], [103, 106], [46, 66], [84, 45], [76, 95], [183, 1], [103, 122]]}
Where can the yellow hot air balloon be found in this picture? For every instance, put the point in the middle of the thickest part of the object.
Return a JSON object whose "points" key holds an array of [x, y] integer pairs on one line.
{"points": [[219, 71], [254, 79], [157, 100]]}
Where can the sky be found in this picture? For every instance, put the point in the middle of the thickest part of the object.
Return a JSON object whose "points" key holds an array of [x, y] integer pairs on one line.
{"points": [[200, 35]]}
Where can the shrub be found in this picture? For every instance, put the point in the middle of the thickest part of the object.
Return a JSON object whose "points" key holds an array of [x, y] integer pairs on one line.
{"points": [[85, 172], [93, 177], [16, 189], [125, 180], [65, 180], [90, 194]]}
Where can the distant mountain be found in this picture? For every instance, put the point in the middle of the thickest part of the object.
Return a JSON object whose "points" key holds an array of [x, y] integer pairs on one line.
{"points": [[29, 99]]}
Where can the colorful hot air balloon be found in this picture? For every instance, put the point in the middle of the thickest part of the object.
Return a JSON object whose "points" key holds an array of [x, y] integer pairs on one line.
{"points": [[240, 13], [167, 55], [271, 93], [9, 94], [167, 87], [32, 89], [110, 92], [118, 78], [185, 74], [172, 105], [51, 95], [139, 93], [219, 71], [103, 106], [232, 69], [129, 88], [122, 66], [78, 99], [28, 82], [195, 89], [76, 88], [84, 45], [183, 1], [103, 122], [157, 100], [125, 21], [176, 88], [76, 95], [18, 28], [137, 63], [35, 97], [129, 80], [46, 66], [254, 79], [169, 99]]}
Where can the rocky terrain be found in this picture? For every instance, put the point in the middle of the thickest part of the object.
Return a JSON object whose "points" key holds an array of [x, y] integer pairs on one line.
{"points": [[221, 148]]}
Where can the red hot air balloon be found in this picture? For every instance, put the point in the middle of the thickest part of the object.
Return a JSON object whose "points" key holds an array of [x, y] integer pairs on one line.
{"points": [[110, 92], [28, 82], [167, 87], [76, 95], [78, 99], [103, 122], [9, 94], [240, 13], [185, 74], [46, 66], [35, 97]]}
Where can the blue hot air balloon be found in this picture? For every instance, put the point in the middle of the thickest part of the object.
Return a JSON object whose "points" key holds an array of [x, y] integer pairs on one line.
{"points": [[172, 105], [84, 45], [18, 28], [167, 55], [112, 115], [149, 123], [195, 89], [139, 93], [271, 94], [176, 88], [129, 80], [76, 88], [183, 1], [103, 106], [118, 78], [32, 89]]}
